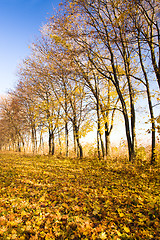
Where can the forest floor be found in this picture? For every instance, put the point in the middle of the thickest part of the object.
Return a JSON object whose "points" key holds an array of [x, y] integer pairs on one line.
{"points": [[44, 197]]}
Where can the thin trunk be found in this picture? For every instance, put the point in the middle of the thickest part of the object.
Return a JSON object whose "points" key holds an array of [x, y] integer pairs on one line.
{"points": [[34, 144], [40, 141], [102, 144], [153, 142], [66, 138], [80, 148], [33, 141], [19, 146], [14, 146], [126, 120], [42, 145], [132, 109], [66, 122], [74, 141], [99, 136], [35, 135], [124, 110], [98, 149], [107, 132], [126, 59], [155, 65], [149, 103], [107, 140], [60, 144], [50, 142], [22, 141], [78, 142], [24, 150], [53, 144]]}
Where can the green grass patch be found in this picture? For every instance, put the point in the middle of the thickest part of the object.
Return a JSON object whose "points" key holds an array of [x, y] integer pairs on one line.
{"points": [[60, 198]]}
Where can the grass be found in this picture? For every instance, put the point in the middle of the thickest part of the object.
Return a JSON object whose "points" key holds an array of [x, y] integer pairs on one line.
{"points": [[44, 197]]}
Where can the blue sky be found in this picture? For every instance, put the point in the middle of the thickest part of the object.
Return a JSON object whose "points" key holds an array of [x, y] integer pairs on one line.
{"points": [[20, 22]]}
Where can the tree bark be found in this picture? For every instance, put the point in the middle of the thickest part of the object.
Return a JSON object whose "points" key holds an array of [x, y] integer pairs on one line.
{"points": [[60, 144], [77, 139], [33, 140], [50, 142], [66, 138], [53, 144], [107, 140]]}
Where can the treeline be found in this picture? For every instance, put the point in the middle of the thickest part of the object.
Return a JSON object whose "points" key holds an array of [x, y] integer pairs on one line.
{"points": [[93, 59]]}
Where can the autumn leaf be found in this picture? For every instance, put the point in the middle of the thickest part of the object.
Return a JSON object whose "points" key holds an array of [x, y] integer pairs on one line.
{"points": [[103, 235], [126, 229]]}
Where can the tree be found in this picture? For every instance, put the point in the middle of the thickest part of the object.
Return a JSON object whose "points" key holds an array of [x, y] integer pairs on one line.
{"points": [[27, 101], [146, 21], [66, 35], [100, 45], [14, 122], [144, 24]]}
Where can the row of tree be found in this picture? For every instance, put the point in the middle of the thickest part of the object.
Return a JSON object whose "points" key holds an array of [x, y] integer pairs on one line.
{"points": [[93, 59]]}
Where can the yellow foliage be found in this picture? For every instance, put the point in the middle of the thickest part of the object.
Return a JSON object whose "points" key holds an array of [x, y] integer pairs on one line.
{"points": [[126, 229], [86, 128]]}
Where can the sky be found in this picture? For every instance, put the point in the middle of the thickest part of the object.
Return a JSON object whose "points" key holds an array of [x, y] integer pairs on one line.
{"points": [[20, 22]]}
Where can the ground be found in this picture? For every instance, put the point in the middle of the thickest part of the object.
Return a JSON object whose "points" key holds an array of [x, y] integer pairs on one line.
{"points": [[43, 197]]}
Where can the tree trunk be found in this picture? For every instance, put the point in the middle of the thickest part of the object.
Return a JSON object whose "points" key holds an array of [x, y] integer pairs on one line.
{"points": [[74, 141], [114, 79], [124, 109], [78, 142], [24, 150], [60, 145], [107, 131], [102, 144], [80, 148], [98, 149], [99, 136], [34, 141], [53, 144], [66, 138], [149, 102], [126, 55], [66, 121], [19, 146], [107, 141], [50, 142], [40, 141]]}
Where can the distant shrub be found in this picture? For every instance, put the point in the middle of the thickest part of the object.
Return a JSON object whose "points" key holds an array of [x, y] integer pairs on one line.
{"points": [[141, 155]]}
